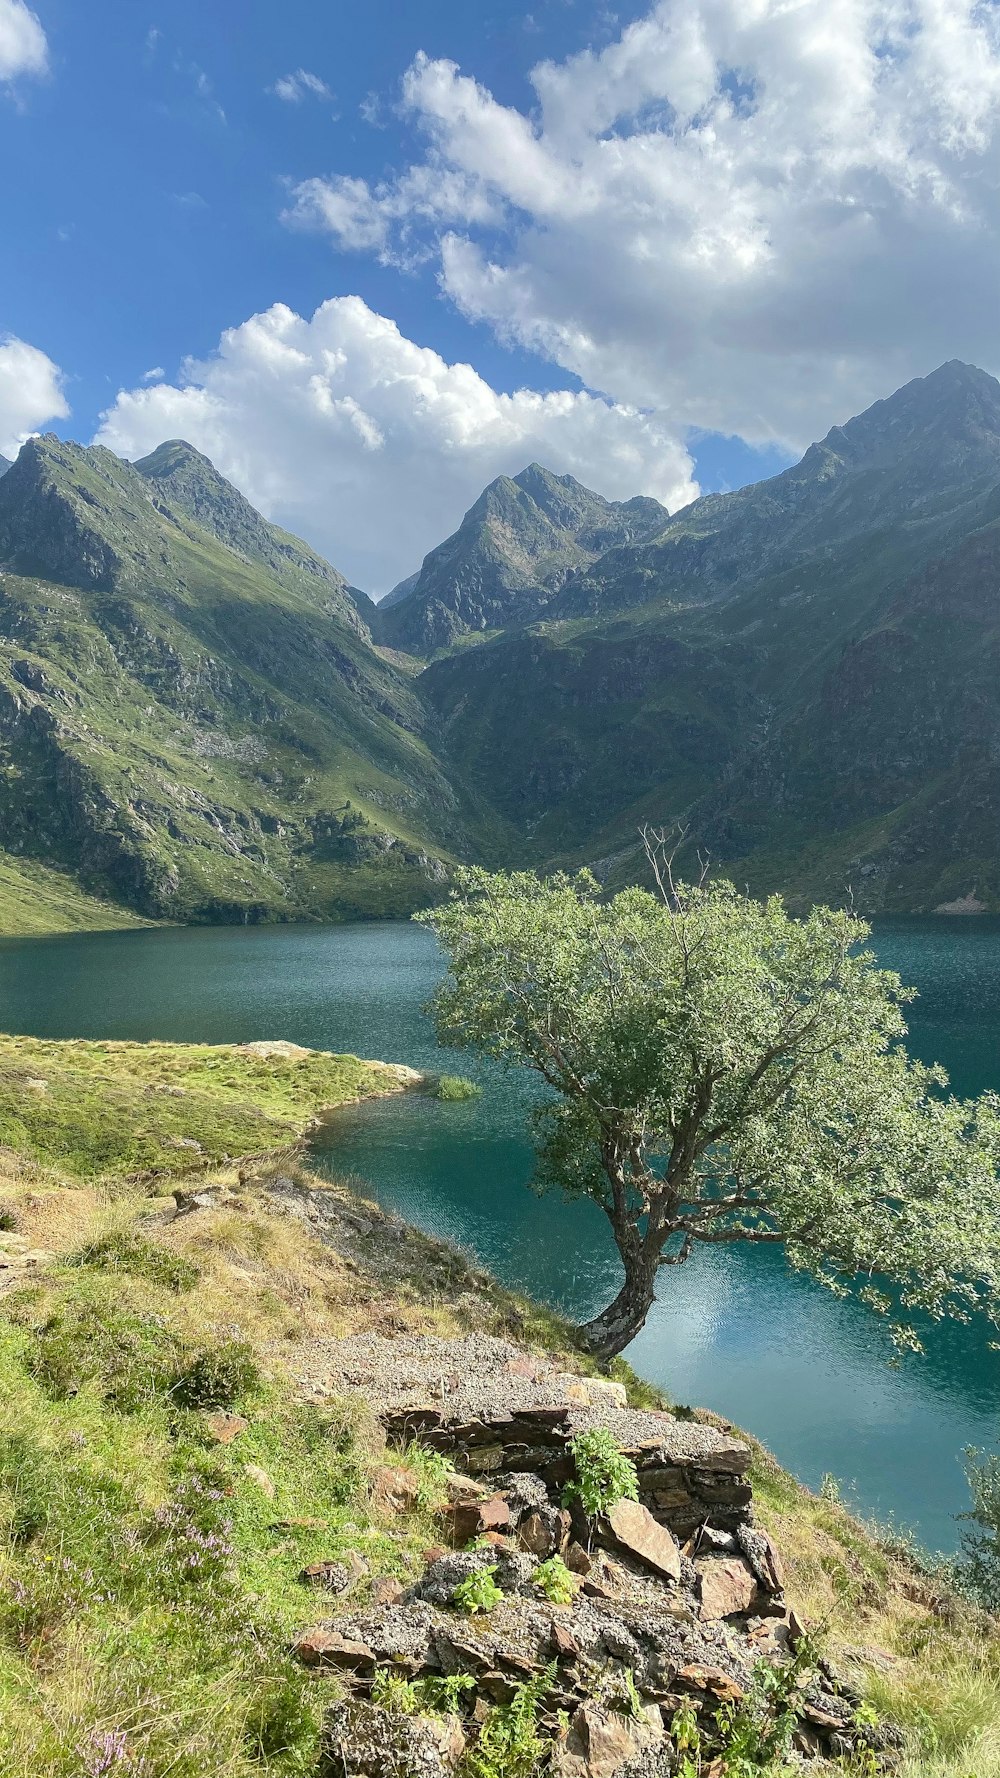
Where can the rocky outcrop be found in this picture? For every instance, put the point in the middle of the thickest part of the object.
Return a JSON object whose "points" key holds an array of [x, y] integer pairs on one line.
{"points": [[492, 1408], [652, 1630]]}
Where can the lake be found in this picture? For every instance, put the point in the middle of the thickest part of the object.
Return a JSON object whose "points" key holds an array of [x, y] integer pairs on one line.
{"points": [[808, 1374]]}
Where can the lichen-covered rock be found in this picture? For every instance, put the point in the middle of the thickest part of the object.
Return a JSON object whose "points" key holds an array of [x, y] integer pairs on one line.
{"points": [[361, 1740]]}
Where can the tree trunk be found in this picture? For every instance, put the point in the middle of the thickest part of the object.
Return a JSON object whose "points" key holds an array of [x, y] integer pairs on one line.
{"points": [[617, 1325]]}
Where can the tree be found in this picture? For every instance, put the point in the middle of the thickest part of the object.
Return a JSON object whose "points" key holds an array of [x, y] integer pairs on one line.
{"points": [[719, 1071]]}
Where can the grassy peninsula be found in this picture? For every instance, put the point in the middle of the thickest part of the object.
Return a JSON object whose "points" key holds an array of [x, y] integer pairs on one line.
{"points": [[166, 1477]]}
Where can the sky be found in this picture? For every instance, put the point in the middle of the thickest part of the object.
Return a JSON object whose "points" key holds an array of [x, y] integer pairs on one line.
{"points": [[368, 257]]}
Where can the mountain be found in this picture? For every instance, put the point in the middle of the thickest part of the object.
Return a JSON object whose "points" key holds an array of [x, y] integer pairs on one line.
{"points": [[716, 673], [4, 465], [512, 552], [192, 719]]}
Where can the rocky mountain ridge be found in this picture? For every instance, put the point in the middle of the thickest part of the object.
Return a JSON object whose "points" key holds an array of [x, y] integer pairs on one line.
{"points": [[513, 550]]}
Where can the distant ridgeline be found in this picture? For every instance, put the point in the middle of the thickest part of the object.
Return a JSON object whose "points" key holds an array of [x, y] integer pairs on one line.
{"points": [[200, 718]]}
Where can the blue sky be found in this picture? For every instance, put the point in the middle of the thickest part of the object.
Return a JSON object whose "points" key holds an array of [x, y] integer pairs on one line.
{"points": [[698, 233]]}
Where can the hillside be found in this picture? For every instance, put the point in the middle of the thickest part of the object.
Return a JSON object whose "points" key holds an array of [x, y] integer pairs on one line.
{"points": [[718, 674], [200, 1522], [193, 722], [513, 550]]}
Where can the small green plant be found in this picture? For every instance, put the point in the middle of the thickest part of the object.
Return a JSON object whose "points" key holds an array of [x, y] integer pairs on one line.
{"points": [[455, 1087], [757, 1732], [686, 1737], [432, 1471], [130, 1358], [509, 1745], [125, 1251], [217, 1378], [603, 1473], [478, 1592], [619, 1693], [556, 1581], [432, 1696]]}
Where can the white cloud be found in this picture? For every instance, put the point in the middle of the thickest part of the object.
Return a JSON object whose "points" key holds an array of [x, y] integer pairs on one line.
{"points": [[293, 88], [155, 375], [750, 215], [23, 49], [372, 447], [30, 393]]}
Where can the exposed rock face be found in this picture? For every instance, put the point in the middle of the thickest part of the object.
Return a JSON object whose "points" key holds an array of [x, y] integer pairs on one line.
{"points": [[493, 1409], [362, 1741], [514, 548]]}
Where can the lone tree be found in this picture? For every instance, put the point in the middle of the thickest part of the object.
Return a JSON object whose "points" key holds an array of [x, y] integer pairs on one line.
{"points": [[722, 1072]]}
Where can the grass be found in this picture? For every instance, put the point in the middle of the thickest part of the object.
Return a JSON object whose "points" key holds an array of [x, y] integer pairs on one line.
{"points": [[35, 899], [149, 1585], [108, 1110]]}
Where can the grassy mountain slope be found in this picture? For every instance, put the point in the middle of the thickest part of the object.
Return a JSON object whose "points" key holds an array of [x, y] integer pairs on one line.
{"points": [[707, 676], [150, 1573], [187, 731], [512, 551]]}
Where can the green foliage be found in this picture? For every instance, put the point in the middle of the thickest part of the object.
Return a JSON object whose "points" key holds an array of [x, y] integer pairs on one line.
{"points": [[603, 1472], [432, 1471], [478, 1592], [217, 1377], [131, 1358], [455, 1087], [977, 1567], [508, 1744], [433, 1696], [556, 1581], [721, 1072], [123, 1250]]}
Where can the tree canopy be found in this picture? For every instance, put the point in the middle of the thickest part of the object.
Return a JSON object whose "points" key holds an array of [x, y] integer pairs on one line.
{"points": [[720, 1071]]}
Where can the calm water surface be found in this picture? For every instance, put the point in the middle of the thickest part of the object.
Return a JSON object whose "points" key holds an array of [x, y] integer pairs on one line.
{"points": [[743, 1335]]}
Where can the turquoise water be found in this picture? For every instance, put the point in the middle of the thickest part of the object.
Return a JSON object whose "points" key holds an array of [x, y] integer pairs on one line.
{"points": [[806, 1373]]}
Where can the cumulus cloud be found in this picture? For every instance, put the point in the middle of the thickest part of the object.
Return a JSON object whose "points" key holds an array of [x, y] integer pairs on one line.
{"points": [[750, 215], [371, 446], [23, 49], [293, 88], [30, 393]]}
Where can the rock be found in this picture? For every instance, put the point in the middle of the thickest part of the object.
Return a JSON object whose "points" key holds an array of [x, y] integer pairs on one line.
{"points": [[482, 1458], [600, 1743], [544, 1531], [470, 1519], [721, 1543], [222, 1428], [387, 1590], [727, 1586], [207, 1197], [438, 1585], [632, 1528], [592, 1392], [260, 1479], [762, 1557], [36, 1085], [395, 1489], [182, 1142], [335, 1577], [523, 1492], [564, 1642], [700, 1678], [515, 1570], [462, 1488], [277, 1048], [576, 1559], [299, 1525], [323, 1647], [361, 1740]]}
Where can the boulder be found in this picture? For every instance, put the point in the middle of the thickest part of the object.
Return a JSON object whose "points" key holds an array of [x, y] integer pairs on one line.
{"points": [[361, 1740], [600, 1743], [592, 1392], [763, 1558], [335, 1577], [222, 1428], [395, 1489], [727, 1586], [323, 1647], [469, 1519], [632, 1528], [544, 1531]]}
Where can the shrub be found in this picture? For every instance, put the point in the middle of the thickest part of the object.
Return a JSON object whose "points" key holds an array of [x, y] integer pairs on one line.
{"points": [[131, 1357], [125, 1251], [432, 1696], [217, 1378], [977, 1567], [454, 1087], [478, 1592], [603, 1473]]}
